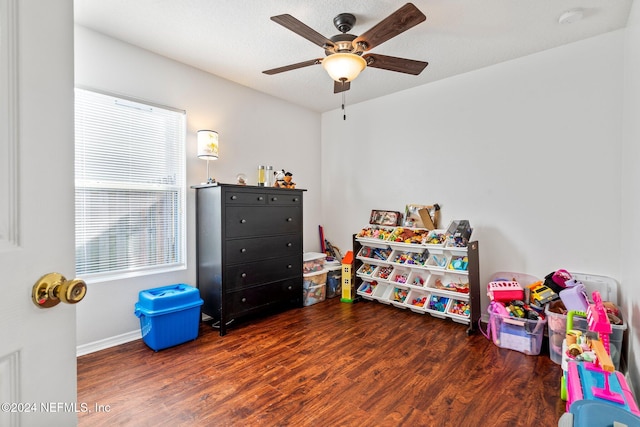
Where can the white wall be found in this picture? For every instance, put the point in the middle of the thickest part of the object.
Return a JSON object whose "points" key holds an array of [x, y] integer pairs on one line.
{"points": [[528, 150], [630, 185], [254, 129]]}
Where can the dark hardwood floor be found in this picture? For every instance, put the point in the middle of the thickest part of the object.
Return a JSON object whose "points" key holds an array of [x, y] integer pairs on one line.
{"points": [[330, 364]]}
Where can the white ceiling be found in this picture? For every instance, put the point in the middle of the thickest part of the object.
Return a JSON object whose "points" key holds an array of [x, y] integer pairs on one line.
{"points": [[236, 40]]}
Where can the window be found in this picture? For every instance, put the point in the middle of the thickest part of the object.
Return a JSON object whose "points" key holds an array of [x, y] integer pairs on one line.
{"points": [[130, 186]]}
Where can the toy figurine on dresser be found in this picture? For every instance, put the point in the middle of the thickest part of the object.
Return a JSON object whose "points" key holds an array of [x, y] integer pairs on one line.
{"points": [[284, 179]]}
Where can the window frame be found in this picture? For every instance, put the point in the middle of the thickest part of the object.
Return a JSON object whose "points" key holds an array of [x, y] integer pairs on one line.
{"points": [[179, 260]]}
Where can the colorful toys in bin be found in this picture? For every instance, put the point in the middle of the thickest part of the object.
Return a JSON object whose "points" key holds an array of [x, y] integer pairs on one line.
{"points": [[459, 233], [400, 294], [367, 269], [419, 302], [435, 238], [459, 263], [384, 272], [409, 258], [375, 253], [460, 308], [522, 311], [507, 299], [596, 350], [401, 278], [368, 287], [451, 285], [418, 281], [438, 303], [379, 233], [407, 235]]}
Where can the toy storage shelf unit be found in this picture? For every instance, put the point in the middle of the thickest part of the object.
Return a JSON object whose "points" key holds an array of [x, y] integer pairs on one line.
{"points": [[436, 278]]}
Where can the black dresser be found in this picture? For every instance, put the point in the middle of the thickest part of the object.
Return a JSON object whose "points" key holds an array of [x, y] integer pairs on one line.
{"points": [[249, 250]]}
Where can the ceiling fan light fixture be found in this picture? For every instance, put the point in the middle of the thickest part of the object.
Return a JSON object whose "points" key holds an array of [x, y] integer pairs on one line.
{"points": [[344, 67]]}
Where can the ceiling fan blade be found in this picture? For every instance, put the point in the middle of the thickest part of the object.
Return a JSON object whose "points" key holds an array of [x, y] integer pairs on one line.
{"points": [[392, 63], [293, 66], [341, 86], [303, 30], [398, 22]]}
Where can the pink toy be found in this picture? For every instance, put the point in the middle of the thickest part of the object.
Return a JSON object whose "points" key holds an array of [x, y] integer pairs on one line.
{"points": [[505, 291], [599, 321], [599, 381]]}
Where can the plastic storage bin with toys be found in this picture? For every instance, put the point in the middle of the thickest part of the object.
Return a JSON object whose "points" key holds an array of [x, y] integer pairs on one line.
{"points": [[513, 323], [313, 262], [588, 370], [314, 287], [576, 296]]}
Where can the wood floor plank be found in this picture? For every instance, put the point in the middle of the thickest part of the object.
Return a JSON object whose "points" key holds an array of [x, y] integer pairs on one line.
{"points": [[330, 364]]}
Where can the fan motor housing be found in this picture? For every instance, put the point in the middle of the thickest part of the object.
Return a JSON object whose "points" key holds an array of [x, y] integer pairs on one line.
{"points": [[343, 43], [344, 22]]}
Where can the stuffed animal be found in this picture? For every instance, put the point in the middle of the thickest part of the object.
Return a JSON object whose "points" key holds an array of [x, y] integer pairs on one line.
{"points": [[283, 179]]}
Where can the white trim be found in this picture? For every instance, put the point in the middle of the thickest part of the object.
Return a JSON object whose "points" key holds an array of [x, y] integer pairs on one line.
{"points": [[9, 123], [10, 387], [92, 347]]}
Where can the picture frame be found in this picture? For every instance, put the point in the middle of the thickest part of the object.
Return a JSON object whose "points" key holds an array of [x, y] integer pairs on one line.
{"points": [[382, 217]]}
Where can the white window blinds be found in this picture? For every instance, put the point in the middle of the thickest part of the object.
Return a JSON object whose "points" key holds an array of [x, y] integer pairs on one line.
{"points": [[130, 186]]}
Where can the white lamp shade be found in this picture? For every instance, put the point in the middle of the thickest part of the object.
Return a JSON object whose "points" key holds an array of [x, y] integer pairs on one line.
{"points": [[344, 66], [207, 144]]}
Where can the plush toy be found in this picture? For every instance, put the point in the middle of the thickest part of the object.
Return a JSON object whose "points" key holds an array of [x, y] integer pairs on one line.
{"points": [[284, 179]]}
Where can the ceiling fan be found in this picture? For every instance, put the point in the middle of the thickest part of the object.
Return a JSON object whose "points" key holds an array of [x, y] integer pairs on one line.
{"points": [[344, 52]]}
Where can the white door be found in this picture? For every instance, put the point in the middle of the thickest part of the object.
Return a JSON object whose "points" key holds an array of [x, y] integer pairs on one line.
{"points": [[37, 346]]}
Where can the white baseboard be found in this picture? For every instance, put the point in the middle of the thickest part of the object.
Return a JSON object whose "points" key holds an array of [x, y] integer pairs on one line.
{"points": [[92, 347]]}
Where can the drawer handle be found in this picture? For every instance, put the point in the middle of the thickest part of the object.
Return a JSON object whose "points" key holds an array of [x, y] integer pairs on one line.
{"points": [[260, 198], [289, 266], [273, 199], [243, 250], [295, 199], [234, 197], [244, 300], [242, 221], [290, 287], [289, 219], [243, 275], [289, 244]]}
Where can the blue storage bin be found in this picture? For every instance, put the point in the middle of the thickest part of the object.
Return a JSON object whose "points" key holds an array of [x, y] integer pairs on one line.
{"points": [[169, 315]]}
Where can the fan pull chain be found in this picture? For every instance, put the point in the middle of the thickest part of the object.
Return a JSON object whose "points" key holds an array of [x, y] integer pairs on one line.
{"points": [[344, 97]]}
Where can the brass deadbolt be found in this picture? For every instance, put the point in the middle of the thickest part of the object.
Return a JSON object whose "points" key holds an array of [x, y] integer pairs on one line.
{"points": [[52, 288]]}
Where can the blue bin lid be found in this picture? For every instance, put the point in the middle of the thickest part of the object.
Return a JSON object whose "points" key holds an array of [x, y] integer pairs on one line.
{"points": [[589, 413], [142, 311], [168, 297]]}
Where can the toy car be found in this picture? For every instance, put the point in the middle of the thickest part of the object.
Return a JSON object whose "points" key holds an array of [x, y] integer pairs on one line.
{"points": [[541, 294]]}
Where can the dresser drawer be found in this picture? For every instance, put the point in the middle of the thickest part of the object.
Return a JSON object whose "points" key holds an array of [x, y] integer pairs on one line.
{"points": [[245, 198], [241, 221], [282, 293], [268, 270], [257, 248], [284, 198]]}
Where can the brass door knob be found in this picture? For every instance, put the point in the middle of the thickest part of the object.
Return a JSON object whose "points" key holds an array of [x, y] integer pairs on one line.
{"points": [[52, 288]]}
